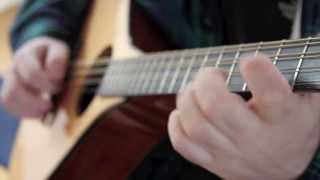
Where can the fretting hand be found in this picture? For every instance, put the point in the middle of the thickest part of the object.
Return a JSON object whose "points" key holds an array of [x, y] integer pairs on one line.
{"points": [[272, 136]]}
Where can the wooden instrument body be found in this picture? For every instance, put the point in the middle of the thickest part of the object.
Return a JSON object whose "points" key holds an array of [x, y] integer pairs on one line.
{"points": [[113, 134]]}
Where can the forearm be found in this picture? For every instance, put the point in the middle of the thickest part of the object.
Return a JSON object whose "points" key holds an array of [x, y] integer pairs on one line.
{"points": [[60, 19]]}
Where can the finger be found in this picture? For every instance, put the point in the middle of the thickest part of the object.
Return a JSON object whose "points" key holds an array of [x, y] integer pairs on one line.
{"points": [[263, 78], [310, 98], [224, 110], [30, 70], [56, 61], [196, 125], [17, 99], [184, 145]]}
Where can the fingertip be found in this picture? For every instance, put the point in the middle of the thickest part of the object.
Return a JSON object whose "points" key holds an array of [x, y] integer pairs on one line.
{"points": [[176, 133], [172, 117], [56, 60], [210, 74], [185, 146], [252, 64], [172, 126], [263, 77], [206, 70], [214, 71]]}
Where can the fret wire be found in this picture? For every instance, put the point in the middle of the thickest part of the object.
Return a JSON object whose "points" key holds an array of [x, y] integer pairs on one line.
{"points": [[219, 58], [122, 79], [166, 74], [128, 80], [156, 76], [202, 65], [228, 61], [307, 55], [148, 75], [276, 58], [184, 81], [295, 76], [116, 77], [174, 79], [258, 48], [204, 61], [140, 79], [236, 57], [135, 75]]}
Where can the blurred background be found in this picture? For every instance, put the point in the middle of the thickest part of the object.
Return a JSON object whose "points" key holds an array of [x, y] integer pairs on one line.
{"points": [[8, 123]]}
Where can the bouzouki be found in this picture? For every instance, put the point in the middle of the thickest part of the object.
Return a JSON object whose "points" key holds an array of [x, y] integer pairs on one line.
{"points": [[105, 136]]}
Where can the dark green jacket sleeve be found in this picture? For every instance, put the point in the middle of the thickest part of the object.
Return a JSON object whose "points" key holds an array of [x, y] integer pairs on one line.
{"points": [[61, 19]]}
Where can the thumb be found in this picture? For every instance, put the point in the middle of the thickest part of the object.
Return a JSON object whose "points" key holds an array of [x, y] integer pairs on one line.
{"points": [[56, 61]]}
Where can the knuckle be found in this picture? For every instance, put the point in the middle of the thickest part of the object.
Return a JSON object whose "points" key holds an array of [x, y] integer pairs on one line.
{"points": [[216, 72], [195, 132], [249, 63], [30, 76]]}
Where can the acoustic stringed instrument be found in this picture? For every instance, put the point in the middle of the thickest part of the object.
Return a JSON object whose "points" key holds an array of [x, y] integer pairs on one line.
{"points": [[102, 135]]}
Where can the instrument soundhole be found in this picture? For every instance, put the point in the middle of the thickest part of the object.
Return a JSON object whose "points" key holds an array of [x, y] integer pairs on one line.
{"points": [[92, 81]]}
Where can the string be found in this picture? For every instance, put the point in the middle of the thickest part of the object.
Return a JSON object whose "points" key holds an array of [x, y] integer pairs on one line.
{"points": [[98, 68], [283, 57], [96, 81], [298, 86], [100, 71], [216, 50]]}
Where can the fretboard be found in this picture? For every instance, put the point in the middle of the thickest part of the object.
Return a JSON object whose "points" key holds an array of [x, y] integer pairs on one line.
{"points": [[168, 72]]}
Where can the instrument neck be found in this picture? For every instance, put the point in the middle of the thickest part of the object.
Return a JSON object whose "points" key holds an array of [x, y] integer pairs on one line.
{"points": [[168, 72]]}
